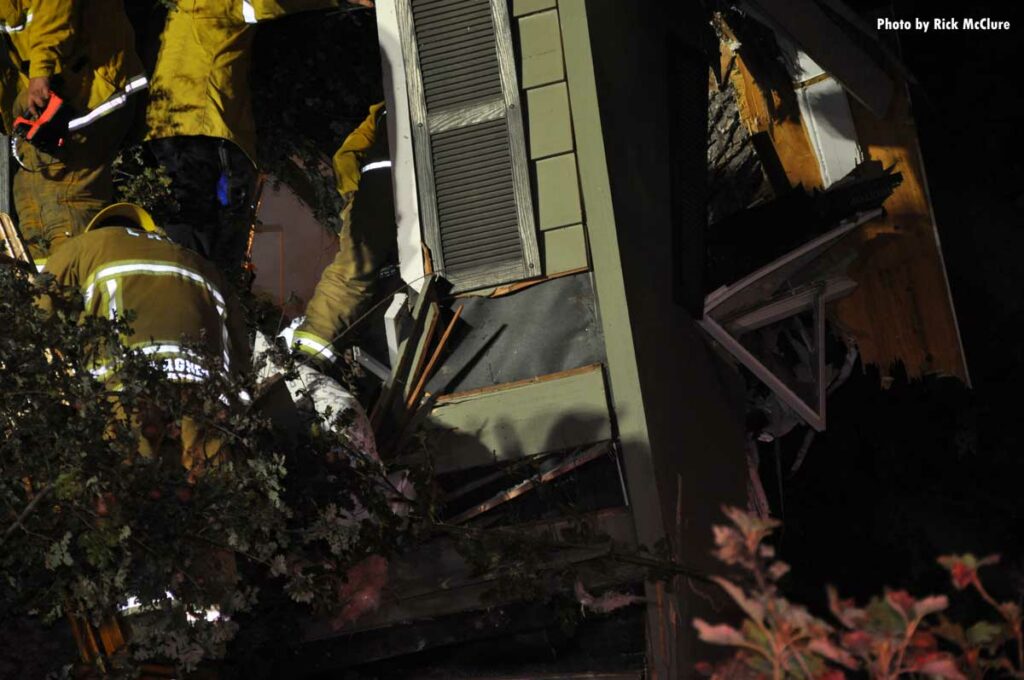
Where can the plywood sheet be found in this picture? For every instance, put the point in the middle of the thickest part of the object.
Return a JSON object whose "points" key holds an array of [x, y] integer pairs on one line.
{"points": [[902, 309], [789, 135]]}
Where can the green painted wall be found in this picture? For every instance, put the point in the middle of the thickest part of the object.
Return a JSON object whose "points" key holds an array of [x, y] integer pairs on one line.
{"points": [[537, 32]]}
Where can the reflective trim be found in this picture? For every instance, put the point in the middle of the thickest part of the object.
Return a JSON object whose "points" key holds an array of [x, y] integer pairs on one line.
{"points": [[376, 165], [112, 103], [177, 365], [112, 300], [16, 29], [165, 348], [115, 271], [225, 339], [314, 346], [248, 12], [154, 268]]}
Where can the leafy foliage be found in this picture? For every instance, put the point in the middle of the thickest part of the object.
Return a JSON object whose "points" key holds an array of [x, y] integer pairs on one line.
{"points": [[96, 506], [139, 181], [894, 635], [315, 75]]}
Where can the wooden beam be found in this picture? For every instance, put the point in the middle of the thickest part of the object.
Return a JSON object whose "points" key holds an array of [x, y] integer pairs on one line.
{"points": [[788, 135], [610, 288]]}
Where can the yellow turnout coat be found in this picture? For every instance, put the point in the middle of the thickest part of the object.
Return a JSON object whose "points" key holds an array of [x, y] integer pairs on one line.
{"points": [[200, 84]]}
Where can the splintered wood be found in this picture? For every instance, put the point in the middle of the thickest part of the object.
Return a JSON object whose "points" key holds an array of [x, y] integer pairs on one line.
{"points": [[788, 134], [13, 246], [902, 310]]}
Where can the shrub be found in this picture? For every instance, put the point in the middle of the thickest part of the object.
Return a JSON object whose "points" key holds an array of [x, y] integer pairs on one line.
{"points": [[894, 635], [87, 522]]}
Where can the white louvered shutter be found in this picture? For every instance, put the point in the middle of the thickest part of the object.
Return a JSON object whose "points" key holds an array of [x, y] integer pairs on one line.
{"points": [[470, 149]]}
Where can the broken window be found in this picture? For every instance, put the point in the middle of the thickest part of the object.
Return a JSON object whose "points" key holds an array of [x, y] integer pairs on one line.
{"points": [[773, 320]]}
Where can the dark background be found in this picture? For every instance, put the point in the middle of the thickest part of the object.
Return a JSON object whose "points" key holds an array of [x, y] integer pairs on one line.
{"points": [[928, 467]]}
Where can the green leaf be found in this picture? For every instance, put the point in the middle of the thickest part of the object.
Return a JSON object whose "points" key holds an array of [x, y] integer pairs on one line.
{"points": [[58, 554], [984, 633]]}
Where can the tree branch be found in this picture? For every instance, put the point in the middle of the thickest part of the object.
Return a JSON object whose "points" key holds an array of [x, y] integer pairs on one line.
{"points": [[26, 512]]}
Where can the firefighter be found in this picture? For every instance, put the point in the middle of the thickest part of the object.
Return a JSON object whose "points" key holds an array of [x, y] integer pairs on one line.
{"points": [[368, 238], [199, 121], [88, 59], [122, 262]]}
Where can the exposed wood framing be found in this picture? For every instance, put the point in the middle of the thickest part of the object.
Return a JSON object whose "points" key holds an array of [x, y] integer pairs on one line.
{"points": [[789, 136], [808, 25], [902, 309], [565, 466]]}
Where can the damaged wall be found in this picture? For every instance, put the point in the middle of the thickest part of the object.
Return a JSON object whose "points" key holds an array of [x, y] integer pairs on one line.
{"points": [[902, 310]]}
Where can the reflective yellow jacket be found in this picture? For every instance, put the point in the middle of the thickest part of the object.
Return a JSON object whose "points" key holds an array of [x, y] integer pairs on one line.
{"points": [[174, 292], [91, 49], [200, 84], [346, 284]]}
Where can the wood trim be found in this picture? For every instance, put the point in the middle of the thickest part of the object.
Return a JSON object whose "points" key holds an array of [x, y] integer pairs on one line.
{"points": [[451, 119], [517, 138], [504, 387], [610, 288], [420, 139]]}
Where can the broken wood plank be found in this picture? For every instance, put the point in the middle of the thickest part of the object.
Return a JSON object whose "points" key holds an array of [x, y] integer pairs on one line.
{"points": [[414, 396], [419, 357], [565, 466], [383, 410], [13, 243]]}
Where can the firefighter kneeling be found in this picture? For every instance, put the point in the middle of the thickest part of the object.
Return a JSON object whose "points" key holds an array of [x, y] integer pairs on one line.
{"points": [[123, 262]]}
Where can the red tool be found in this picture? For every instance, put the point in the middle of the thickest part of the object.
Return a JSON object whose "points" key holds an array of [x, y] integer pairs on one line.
{"points": [[48, 130]]}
